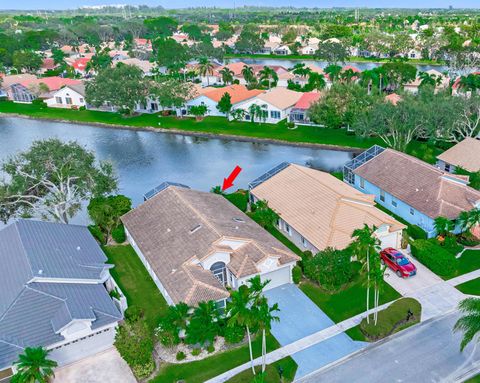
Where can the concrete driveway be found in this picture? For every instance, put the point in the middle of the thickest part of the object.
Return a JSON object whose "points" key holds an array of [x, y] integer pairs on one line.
{"points": [[300, 317], [105, 367]]}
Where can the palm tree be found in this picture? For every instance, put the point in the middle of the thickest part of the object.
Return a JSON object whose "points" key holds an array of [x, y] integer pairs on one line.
{"points": [[369, 78], [239, 313], [265, 316], [333, 72], [378, 272], [249, 75], [443, 226], [469, 323], [227, 75], [259, 111], [268, 75], [469, 219], [316, 81], [470, 82], [365, 244], [427, 79], [205, 67], [33, 366], [348, 75]]}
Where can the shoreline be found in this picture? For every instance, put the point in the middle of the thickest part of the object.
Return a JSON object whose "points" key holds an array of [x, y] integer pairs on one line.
{"points": [[190, 133]]}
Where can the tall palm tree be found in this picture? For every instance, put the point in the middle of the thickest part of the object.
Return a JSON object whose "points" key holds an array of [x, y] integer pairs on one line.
{"points": [[316, 81], [377, 272], [269, 76], [333, 72], [239, 313], [469, 219], [33, 366], [443, 226], [369, 78], [248, 74], [265, 315], [227, 75], [348, 75], [258, 111], [470, 82], [469, 323], [205, 67], [365, 245]]}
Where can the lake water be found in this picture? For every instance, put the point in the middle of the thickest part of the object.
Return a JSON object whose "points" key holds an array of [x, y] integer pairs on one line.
{"points": [[322, 64], [143, 160]]}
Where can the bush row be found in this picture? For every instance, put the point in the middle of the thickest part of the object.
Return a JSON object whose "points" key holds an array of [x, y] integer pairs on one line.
{"points": [[436, 258]]}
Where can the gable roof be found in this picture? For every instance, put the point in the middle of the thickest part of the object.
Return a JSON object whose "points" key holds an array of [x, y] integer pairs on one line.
{"points": [[420, 185], [465, 154], [323, 209], [9, 80], [53, 83], [237, 93], [281, 98], [179, 227], [307, 99]]}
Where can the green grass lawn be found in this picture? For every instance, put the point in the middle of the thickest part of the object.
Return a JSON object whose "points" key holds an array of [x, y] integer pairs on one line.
{"points": [[346, 303], [272, 375], [356, 334], [469, 261], [202, 370], [471, 287], [475, 379], [136, 283]]}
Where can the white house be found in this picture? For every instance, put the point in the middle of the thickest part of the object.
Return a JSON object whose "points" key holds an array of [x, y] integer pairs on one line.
{"points": [[70, 96]]}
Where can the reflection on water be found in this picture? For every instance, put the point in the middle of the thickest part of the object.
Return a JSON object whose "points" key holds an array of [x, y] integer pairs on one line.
{"points": [[145, 159]]}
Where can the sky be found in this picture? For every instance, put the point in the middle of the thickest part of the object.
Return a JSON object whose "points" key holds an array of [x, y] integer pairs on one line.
{"points": [[63, 4]]}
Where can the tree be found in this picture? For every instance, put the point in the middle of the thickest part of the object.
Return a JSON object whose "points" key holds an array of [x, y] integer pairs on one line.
{"points": [[469, 323], [58, 56], [258, 111], [377, 272], [263, 215], [170, 92], [427, 79], [225, 104], [171, 54], [227, 75], [34, 366], [161, 27], [443, 226], [238, 114], [269, 76], [249, 76], [122, 86], [205, 68], [333, 72], [99, 61], [399, 73], [249, 40], [225, 31], [469, 83], [332, 52], [198, 111], [204, 324], [265, 316], [316, 81], [52, 178], [27, 61], [370, 78], [172, 323], [289, 36], [469, 219], [193, 31], [365, 246], [105, 212]]}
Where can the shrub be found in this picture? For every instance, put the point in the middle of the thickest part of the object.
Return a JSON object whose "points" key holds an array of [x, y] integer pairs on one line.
{"points": [[133, 313], [196, 351], [416, 232], [210, 348], [468, 239], [40, 103], [392, 319], [435, 257], [97, 233], [118, 234], [134, 342], [143, 371], [239, 199], [114, 294], [296, 274], [450, 244], [234, 334], [181, 355]]}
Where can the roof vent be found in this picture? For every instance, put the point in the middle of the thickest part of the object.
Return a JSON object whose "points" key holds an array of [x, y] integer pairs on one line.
{"points": [[40, 272], [78, 248], [168, 230], [238, 219], [196, 228]]}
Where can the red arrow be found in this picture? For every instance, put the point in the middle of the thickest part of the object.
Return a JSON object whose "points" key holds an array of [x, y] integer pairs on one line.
{"points": [[228, 182]]}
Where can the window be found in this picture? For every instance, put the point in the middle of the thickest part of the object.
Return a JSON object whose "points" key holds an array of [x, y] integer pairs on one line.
{"points": [[58, 100], [394, 202], [304, 242], [362, 183], [447, 168], [412, 212], [287, 229], [219, 270], [68, 100], [275, 114], [81, 100], [382, 195]]}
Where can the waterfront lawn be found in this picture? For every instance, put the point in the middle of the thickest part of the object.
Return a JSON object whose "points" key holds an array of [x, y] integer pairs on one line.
{"points": [[287, 364], [135, 282], [471, 287], [347, 302], [202, 370]]}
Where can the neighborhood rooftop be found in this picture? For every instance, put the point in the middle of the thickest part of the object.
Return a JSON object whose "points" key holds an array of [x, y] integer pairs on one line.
{"points": [[465, 154], [322, 208], [178, 228], [420, 185]]}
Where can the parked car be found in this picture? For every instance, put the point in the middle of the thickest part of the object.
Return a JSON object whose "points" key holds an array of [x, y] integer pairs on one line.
{"points": [[398, 262]]}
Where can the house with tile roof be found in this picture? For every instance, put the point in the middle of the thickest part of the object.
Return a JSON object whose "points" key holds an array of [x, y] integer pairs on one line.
{"points": [[32, 88], [195, 245], [53, 293], [299, 112], [317, 210], [412, 189], [277, 102], [465, 155], [70, 96]]}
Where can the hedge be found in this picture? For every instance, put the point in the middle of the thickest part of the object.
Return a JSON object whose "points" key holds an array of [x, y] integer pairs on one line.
{"points": [[296, 274], [416, 232], [118, 234], [435, 257], [239, 199]]}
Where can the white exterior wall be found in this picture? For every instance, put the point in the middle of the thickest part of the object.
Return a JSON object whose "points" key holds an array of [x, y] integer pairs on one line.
{"points": [[77, 99], [284, 113], [209, 103]]}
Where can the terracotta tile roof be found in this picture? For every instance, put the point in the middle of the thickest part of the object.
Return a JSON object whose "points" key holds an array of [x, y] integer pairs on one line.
{"points": [[53, 83], [48, 63], [465, 154], [235, 67], [179, 228], [237, 93], [323, 209], [7, 81], [307, 99], [281, 98], [393, 98], [420, 185], [81, 63]]}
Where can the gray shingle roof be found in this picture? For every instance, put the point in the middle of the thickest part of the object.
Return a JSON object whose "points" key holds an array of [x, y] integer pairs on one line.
{"points": [[34, 313]]}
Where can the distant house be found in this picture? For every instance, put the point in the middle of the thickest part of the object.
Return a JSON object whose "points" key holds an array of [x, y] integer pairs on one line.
{"points": [[8, 81], [70, 96], [412, 189], [282, 50], [80, 65], [309, 49], [299, 112], [142, 44], [47, 65], [317, 210], [211, 96], [277, 102], [465, 155], [443, 82], [53, 293], [28, 90], [195, 245], [144, 65], [393, 98]]}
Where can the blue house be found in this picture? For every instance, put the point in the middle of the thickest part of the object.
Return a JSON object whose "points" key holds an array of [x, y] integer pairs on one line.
{"points": [[412, 189]]}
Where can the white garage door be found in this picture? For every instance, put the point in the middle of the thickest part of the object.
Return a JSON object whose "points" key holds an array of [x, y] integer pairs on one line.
{"points": [[389, 240], [80, 349], [277, 278]]}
